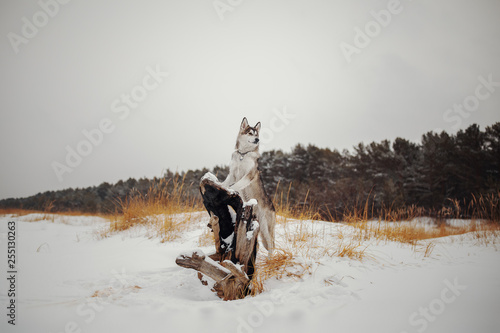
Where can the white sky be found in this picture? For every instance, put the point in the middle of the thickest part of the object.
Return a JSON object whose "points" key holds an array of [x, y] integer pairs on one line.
{"points": [[264, 57]]}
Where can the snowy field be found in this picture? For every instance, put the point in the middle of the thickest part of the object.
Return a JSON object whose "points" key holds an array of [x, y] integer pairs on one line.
{"points": [[70, 280]]}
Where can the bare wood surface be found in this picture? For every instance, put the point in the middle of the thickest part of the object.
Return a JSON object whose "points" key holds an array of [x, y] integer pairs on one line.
{"points": [[197, 261], [247, 232]]}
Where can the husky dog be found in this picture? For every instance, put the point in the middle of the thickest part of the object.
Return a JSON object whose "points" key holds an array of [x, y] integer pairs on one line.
{"points": [[244, 177]]}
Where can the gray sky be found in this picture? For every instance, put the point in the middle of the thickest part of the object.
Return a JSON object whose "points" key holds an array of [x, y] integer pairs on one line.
{"points": [[330, 73]]}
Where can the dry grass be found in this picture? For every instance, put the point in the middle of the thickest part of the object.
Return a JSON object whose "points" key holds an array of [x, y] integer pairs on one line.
{"points": [[347, 247], [428, 249], [112, 292], [163, 208], [281, 264], [420, 236], [403, 232], [483, 207], [285, 211], [27, 215], [413, 232], [360, 213], [16, 212], [206, 238], [487, 237], [394, 225], [304, 242], [302, 245], [287, 260]]}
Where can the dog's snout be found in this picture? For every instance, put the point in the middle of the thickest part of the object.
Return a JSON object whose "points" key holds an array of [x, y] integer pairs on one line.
{"points": [[256, 141]]}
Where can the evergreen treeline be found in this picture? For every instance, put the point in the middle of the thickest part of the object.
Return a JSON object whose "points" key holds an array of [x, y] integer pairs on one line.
{"points": [[429, 174]]}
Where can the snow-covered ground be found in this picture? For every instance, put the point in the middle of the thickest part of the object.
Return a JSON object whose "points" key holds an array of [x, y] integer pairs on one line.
{"points": [[70, 280]]}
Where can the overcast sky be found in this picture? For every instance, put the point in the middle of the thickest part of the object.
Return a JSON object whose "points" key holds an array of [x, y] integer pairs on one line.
{"points": [[136, 87]]}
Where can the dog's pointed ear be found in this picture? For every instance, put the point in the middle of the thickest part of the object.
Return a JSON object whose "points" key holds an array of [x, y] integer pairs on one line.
{"points": [[257, 127], [244, 124]]}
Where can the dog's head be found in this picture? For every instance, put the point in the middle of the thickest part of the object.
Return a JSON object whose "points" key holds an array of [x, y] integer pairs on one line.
{"points": [[248, 137]]}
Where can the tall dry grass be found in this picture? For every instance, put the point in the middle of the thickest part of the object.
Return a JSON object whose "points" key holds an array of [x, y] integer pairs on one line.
{"points": [[296, 242], [286, 211], [165, 208], [300, 247], [206, 238], [48, 214], [407, 232], [484, 207], [303, 242], [401, 225], [364, 211]]}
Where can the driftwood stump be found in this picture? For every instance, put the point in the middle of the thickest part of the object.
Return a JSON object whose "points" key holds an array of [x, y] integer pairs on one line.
{"points": [[235, 232]]}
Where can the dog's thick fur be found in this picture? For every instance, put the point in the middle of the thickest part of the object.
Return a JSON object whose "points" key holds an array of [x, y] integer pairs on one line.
{"points": [[244, 177]]}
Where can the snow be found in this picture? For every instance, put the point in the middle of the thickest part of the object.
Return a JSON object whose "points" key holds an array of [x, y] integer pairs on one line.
{"points": [[254, 226], [232, 213], [70, 280], [228, 240], [219, 266], [251, 202], [210, 176]]}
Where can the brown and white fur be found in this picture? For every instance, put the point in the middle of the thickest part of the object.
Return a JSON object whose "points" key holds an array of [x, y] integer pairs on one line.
{"points": [[244, 177]]}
